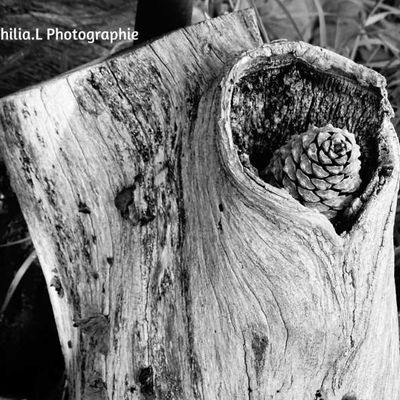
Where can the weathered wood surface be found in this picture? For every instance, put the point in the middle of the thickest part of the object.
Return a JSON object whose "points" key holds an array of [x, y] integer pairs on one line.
{"points": [[176, 272], [108, 129], [339, 287]]}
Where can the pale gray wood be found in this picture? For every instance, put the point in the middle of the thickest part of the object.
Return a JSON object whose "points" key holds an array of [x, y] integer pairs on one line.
{"points": [[321, 305], [74, 143]]}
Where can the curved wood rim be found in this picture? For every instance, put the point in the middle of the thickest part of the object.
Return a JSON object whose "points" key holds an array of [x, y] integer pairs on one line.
{"points": [[386, 174]]}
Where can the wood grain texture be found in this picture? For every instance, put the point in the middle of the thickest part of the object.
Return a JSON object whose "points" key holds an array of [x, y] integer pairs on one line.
{"points": [[185, 276], [325, 301], [95, 159]]}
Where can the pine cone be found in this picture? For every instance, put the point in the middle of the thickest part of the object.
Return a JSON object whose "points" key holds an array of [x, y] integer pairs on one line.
{"points": [[320, 168]]}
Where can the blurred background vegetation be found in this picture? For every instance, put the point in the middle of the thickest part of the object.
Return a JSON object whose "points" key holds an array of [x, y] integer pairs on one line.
{"points": [[367, 31]]}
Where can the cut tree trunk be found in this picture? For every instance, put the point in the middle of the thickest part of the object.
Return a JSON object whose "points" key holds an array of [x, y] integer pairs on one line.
{"points": [[175, 271]]}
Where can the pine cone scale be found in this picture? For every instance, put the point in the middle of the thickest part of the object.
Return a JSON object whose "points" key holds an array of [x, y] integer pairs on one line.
{"points": [[321, 184], [334, 179], [312, 152], [341, 160], [319, 172], [303, 180], [291, 187], [296, 152], [324, 158], [326, 147], [305, 164], [307, 139], [290, 168], [349, 184], [308, 195], [322, 137], [334, 169]]}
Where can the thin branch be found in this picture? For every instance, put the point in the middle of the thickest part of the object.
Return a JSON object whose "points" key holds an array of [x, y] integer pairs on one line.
{"points": [[260, 22], [293, 22], [322, 24], [15, 242], [362, 30], [17, 279]]}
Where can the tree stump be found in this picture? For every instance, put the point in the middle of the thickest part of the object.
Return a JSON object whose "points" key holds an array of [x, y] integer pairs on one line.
{"points": [[175, 271]]}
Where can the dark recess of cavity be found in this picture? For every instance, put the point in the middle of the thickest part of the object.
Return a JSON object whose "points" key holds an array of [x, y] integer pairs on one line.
{"points": [[286, 95]]}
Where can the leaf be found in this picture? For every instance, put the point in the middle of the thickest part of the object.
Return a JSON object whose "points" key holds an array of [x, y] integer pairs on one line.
{"points": [[373, 19], [369, 42], [322, 25], [394, 84], [343, 29], [289, 19], [393, 10], [378, 54], [384, 63], [241, 4], [389, 43]]}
